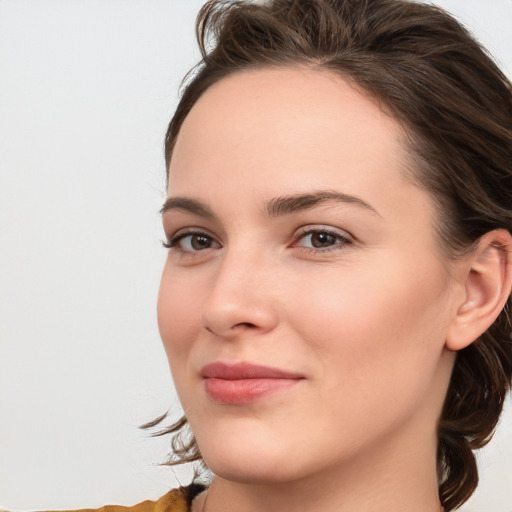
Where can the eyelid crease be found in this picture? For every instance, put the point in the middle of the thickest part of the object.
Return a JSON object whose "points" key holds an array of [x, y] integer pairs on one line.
{"points": [[316, 228]]}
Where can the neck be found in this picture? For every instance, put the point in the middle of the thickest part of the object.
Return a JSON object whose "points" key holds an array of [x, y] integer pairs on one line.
{"points": [[394, 478]]}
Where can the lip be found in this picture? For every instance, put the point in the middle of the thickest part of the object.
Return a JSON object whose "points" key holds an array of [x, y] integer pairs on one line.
{"points": [[245, 383]]}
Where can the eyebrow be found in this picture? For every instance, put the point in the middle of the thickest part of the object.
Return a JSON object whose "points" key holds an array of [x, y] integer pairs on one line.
{"points": [[299, 202], [187, 205], [276, 207]]}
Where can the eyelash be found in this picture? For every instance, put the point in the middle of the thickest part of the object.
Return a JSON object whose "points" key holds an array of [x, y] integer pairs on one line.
{"points": [[305, 232], [176, 239], [343, 240]]}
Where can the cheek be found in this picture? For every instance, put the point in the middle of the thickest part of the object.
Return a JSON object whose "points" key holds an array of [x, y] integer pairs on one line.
{"points": [[178, 318], [377, 353], [381, 328]]}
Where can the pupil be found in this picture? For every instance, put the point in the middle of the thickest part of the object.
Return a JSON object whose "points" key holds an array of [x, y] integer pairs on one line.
{"points": [[200, 242], [322, 239]]}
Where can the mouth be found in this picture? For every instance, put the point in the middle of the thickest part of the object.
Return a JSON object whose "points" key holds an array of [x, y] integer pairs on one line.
{"points": [[245, 383]]}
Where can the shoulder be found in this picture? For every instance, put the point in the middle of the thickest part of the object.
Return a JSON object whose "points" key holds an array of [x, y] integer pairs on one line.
{"points": [[176, 500]]}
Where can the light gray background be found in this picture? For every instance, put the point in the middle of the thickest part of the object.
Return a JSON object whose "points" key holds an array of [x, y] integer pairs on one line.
{"points": [[86, 90]]}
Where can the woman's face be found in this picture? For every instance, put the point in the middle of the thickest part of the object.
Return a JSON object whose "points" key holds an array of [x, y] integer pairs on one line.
{"points": [[304, 304]]}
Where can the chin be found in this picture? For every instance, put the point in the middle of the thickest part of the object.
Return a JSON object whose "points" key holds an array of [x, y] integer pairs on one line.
{"points": [[249, 457], [253, 469]]}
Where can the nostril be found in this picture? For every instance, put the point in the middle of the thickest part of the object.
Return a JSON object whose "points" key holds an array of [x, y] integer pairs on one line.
{"points": [[245, 324], [241, 325]]}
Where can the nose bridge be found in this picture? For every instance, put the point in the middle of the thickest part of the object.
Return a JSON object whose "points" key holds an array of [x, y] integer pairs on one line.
{"points": [[240, 295]]}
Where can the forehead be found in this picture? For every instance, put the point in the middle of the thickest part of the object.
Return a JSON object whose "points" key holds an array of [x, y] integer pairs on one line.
{"points": [[276, 131], [282, 107]]}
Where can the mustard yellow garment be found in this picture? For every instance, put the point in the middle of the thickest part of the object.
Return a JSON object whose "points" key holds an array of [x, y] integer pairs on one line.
{"points": [[177, 500]]}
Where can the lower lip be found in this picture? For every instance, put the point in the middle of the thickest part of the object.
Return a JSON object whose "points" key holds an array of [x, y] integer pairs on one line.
{"points": [[245, 391]]}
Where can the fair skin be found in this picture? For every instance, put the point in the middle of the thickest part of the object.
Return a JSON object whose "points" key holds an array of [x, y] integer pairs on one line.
{"points": [[347, 293]]}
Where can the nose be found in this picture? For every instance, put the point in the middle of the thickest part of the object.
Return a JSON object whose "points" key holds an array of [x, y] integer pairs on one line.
{"points": [[241, 298]]}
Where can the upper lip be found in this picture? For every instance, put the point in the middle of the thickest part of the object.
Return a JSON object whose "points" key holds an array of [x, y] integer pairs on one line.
{"points": [[243, 370]]}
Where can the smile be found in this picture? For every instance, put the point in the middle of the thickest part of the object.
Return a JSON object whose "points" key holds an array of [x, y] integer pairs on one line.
{"points": [[244, 383]]}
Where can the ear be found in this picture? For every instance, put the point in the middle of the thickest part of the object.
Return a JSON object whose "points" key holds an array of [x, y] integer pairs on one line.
{"points": [[487, 281]]}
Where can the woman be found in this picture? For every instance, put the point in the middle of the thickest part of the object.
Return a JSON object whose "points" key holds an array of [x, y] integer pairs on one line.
{"points": [[334, 302], [339, 218]]}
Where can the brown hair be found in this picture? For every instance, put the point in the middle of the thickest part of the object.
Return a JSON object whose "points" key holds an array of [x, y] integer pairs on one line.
{"points": [[456, 107]]}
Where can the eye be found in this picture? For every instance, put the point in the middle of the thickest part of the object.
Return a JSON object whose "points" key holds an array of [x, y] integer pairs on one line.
{"points": [[192, 242], [322, 239]]}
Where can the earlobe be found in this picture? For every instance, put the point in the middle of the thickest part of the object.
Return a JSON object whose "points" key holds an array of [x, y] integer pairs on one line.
{"points": [[487, 285]]}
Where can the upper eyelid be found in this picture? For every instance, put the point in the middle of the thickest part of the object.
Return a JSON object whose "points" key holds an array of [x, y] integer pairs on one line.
{"points": [[173, 240], [190, 231], [298, 234], [319, 228], [345, 239]]}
